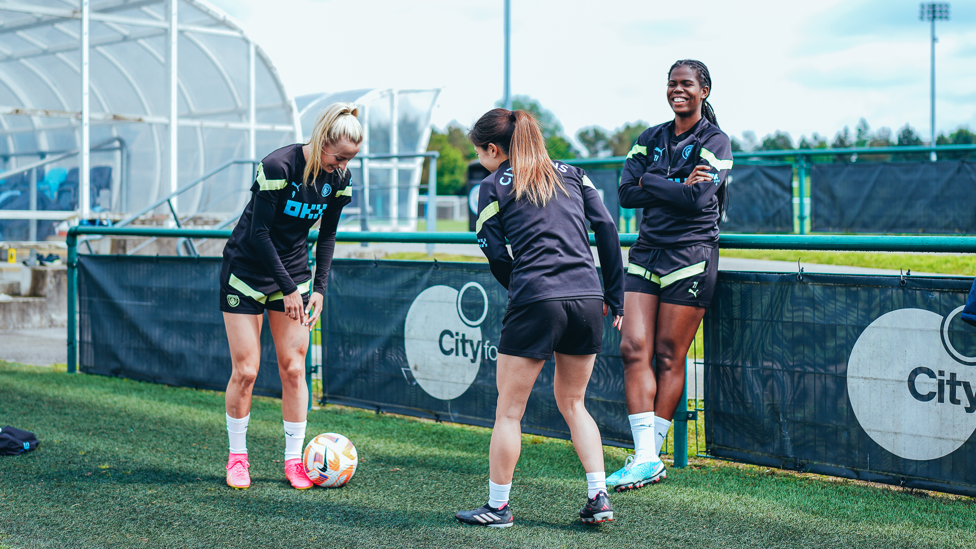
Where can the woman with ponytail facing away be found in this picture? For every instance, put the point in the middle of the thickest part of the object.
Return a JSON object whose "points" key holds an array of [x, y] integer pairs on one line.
{"points": [[555, 300], [677, 173]]}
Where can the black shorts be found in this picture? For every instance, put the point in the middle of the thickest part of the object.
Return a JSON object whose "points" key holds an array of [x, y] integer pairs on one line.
{"points": [[571, 326], [681, 276], [248, 294]]}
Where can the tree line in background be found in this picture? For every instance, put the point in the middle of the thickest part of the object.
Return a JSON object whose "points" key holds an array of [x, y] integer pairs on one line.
{"points": [[456, 150]]}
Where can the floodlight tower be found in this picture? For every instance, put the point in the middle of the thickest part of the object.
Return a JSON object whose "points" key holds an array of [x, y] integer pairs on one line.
{"points": [[507, 94], [933, 11]]}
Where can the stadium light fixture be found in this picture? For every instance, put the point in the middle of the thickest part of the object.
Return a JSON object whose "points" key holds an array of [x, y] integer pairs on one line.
{"points": [[507, 93], [933, 11]]}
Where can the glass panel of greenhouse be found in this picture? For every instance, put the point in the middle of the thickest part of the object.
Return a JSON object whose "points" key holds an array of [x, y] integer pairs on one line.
{"points": [[203, 90], [389, 186]]}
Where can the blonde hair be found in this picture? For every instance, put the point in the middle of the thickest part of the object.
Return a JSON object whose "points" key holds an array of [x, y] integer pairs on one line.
{"points": [[534, 177], [518, 134], [337, 122]]}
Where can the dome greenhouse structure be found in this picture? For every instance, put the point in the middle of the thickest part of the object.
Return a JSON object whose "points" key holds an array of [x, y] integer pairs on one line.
{"points": [[108, 106]]}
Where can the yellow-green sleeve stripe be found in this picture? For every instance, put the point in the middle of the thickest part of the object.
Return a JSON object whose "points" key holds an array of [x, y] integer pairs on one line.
{"points": [[486, 214], [345, 192], [587, 182], [714, 161], [638, 149], [266, 184]]}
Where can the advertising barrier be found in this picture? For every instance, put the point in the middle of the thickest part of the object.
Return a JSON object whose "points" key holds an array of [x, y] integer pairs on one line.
{"points": [[421, 339], [156, 319], [866, 377]]}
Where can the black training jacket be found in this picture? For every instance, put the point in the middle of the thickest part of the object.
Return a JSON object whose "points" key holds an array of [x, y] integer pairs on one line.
{"points": [[675, 214], [270, 237], [551, 243]]}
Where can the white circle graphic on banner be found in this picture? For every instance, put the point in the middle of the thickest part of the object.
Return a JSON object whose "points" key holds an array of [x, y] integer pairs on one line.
{"points": [[908, 393], [444, 349]]}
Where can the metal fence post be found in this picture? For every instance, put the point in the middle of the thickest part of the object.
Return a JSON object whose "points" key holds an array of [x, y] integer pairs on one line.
{"points": [[309, 367], [32, 224], [432, 201], [801, 170], [72, 242], [681, 430]]}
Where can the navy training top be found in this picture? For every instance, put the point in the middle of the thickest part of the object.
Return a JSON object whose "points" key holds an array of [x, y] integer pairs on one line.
{"points": [[675, 215], [270, 237], [550, 243]]}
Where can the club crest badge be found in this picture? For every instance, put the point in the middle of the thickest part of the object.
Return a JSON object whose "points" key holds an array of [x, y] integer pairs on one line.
{"points": [[326, 190], [233, 300], [686, 152]]}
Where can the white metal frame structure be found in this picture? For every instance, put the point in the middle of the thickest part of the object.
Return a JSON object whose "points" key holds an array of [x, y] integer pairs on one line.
{"points": [[179, 84], [390, 186]]}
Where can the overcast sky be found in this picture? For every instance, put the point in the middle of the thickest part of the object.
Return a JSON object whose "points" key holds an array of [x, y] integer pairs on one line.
{"points": [[799, 67]]}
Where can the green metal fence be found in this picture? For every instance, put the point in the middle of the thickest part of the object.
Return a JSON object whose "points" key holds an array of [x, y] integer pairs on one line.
{"points": [[684, 415], [801, 159]]}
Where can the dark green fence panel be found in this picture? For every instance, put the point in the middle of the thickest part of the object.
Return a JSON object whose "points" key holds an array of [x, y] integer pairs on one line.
{"points": [[862, 377]]}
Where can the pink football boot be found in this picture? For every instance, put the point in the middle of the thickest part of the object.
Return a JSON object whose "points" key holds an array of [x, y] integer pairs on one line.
{"points": [[237, 476], [295, 472]]}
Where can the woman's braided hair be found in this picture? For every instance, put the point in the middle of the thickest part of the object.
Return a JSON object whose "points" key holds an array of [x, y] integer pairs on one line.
{"points": [[708, 113]]}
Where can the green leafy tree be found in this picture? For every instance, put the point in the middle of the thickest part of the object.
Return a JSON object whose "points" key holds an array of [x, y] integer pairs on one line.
{"points": [[778, 141], [558, 146], [816, 141], [962, 136], [595, 140], [736, 146], [842, 141], [880, 138], [749, 141], [452, 167], [908, 138], [457, 136], [625, 136], [862, 133]]}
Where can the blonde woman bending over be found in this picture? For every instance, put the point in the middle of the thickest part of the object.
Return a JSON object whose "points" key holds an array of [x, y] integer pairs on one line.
{"points": [[265, 268]]}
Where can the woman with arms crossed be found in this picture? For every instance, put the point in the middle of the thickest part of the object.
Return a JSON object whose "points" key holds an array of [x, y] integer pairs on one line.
{"points": [[676, 172], [265, 268], [555, 302]]}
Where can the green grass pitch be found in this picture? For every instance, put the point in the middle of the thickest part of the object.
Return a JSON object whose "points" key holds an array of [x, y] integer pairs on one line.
{"points": [[127, 464]]}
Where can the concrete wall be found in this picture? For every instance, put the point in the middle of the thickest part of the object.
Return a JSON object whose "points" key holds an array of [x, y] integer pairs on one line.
{"points": [[44, 306]]}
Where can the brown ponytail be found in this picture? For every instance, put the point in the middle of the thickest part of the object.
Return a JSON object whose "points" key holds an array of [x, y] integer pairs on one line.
{"points": [[517, 133]]}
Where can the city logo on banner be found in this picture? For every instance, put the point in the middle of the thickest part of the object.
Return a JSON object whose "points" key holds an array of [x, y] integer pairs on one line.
{"points": [[444, 345], [911, 390]]}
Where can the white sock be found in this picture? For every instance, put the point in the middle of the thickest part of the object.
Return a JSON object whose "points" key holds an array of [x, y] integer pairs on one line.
{"points": [[237, 433], [661, 427], [595, 483], [642, 427], [498, 494], [294, 439]]}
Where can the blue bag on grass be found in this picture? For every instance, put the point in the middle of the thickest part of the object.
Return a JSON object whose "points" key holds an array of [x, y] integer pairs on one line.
{"points": [[969, 311], [15, 441]]}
